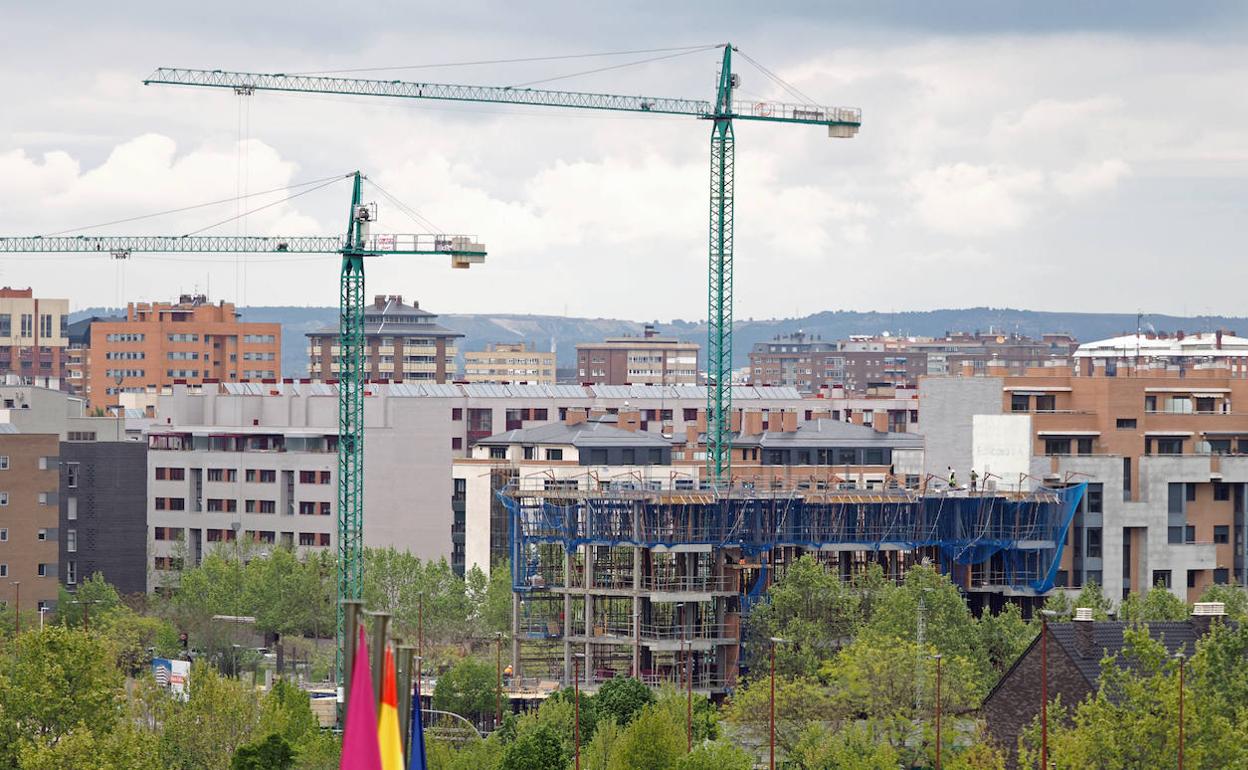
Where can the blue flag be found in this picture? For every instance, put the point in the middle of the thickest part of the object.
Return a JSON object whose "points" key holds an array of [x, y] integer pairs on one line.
{"points": [[417, 760]]}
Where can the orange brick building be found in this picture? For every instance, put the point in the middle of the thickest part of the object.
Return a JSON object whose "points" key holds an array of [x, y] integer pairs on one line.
{"points": [[190, 341]]}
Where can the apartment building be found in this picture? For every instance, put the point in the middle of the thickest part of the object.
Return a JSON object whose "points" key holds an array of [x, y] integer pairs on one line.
{"points": [[59, 468], [1184, 351], [965, 352], [509, 362], [809, 363], [33, 334], [650, 359], [192, 340], [403, 343], [1162, 448]]}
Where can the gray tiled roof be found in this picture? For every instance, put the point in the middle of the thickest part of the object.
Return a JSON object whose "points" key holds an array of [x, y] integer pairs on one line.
{"points": [[830, 433], [586, 434], [1107, 638]]}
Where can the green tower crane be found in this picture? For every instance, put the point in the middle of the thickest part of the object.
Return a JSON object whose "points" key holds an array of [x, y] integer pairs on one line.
{"points": [[357, 244], [842, 122]]}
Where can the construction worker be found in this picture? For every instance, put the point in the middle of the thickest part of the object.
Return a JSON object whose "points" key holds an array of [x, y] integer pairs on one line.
{"points": [[974, 480], [953, 478]]}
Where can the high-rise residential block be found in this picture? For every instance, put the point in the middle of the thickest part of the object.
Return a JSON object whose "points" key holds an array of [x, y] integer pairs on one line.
{"points": [[191, 341], [402, 343]]}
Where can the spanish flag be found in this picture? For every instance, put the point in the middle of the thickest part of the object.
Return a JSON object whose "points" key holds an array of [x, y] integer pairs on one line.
{"points": [[388, 725]]}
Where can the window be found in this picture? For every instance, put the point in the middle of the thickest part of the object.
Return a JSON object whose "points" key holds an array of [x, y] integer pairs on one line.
{"points": [[1057, 446], [1220, 576], [498, 453], [4, 535], [1126, 423], [307, 477], [170, 474], [1190, 491], [325, 477], [1189, 533], [457, 442], [4, 570], [6, 325], [4, 498], [1020, 403], [71, 572], [1096, 498], [1084, 446], [1179, 405], [71, 540], [222, 474], [554, 454], [1221, 491], [307, 508], [1094, 542], [1221, 533], [222, 505], [325, 509], [1046, 403], [307, 538], [1175, 498], [689, 415], [42, 569], [1191, 578], [1150, 403], [457, 414], [42, 535], [71, 475], [27, 325], [45, 324], [71, 508], [1126, 478], [1174, 535], [528, 452], [4, 462], [261, 476], [1161, 577]]}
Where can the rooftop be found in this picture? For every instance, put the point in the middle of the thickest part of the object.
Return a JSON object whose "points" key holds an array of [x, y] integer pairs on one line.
{"points": [[829, 433], [595, 433], [1177, 345]]}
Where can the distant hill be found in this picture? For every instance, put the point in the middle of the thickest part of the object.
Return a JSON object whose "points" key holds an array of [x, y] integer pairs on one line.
{"points": [[543, 330]]}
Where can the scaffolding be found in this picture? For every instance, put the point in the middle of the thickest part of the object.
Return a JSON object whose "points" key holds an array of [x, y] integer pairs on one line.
{"points": [[656, 578]]}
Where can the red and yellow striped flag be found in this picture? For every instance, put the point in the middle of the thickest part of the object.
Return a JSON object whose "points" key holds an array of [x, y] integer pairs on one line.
{"points": [[388, 719]]}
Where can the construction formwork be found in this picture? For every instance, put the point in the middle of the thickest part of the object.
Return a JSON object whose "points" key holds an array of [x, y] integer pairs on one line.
{"points": [[655, 579]]}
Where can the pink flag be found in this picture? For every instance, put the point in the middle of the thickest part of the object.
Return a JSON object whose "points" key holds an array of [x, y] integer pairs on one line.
{"points": [[360, 749]]}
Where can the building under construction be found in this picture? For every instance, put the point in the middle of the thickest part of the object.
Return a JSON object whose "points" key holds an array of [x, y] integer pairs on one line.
{"points": [[630, 576]]}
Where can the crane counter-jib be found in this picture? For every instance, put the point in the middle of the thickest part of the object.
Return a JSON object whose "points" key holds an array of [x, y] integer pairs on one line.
{"points": [[459, 247]]}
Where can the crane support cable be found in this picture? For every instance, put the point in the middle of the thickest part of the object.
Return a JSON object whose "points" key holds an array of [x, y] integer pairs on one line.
{"points": [[197, 205], [412, 213], [521, 60], [266, 206], [612, 67]]}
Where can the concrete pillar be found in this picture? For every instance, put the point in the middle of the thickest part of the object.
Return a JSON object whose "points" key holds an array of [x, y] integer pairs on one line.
{"points": [[637, 611], [567, 616], [589, 605]]}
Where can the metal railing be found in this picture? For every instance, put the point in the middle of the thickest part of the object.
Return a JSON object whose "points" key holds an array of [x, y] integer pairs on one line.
{"points": [[687, 583]]}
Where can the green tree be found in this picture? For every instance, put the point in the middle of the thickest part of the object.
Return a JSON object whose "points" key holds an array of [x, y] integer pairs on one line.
{"points": [[1234, 597], [1004, 636], [494, 603], [124, 747], [799, 702], [651, 742], [395, 580], [54, 681], [96, 596], [811, 607], [1157, 604], [621, 699], [218, 716], [597, 753], [540, 748], [469, 688], [715, 755], [588, 711], [1093, 598], [853, 747], [269, 753]]}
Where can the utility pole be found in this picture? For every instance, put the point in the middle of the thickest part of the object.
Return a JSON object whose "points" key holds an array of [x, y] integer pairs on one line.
{"points": [[938, 735], [1179, 655]]}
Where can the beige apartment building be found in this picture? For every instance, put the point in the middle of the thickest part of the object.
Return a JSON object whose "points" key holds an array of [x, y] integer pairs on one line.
{"points": [[33, 338], [650, 359], [403, 343], [29, 515], [509, 362], [191, 341]]}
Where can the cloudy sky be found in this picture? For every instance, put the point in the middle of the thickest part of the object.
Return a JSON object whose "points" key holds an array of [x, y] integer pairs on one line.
{"points": [[1056, 156]]}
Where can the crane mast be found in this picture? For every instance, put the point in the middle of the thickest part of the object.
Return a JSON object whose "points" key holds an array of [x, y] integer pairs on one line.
{"points": [[841, 122], [357, 244]]}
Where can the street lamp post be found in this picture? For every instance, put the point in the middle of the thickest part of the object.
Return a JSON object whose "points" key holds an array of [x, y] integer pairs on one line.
{"points": [[771, 743], [576, 714], [1044, 687], [498, 671], [1179, 655], [938, 734]]}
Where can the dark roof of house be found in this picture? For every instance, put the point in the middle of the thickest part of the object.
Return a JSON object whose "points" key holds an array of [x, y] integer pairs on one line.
{"points": [[827, 433], [586, 434], [1107, 639]]}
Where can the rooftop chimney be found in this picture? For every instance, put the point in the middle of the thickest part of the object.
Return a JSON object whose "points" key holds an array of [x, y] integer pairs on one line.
{"points": [[1203, 614], [1218, 340], [1083, 626], [648, 331]]}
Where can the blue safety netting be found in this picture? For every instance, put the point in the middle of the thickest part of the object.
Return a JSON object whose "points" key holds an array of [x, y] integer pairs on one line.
{"points": [[1015, 542]]}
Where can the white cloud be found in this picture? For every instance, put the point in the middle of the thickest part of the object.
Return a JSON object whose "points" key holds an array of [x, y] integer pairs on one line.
{"points": [[1091, 178], [967, 200]]}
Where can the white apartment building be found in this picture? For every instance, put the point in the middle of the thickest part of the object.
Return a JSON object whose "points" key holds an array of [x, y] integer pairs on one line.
{"points": [[412, 433]]}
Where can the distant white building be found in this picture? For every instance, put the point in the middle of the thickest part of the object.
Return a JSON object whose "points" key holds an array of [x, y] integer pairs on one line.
{"points": [[1162, 350]]}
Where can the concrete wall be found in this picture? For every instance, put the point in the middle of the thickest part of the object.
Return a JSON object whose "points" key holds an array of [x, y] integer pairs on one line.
{"points": [[1001, 446], [947, 406]]}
